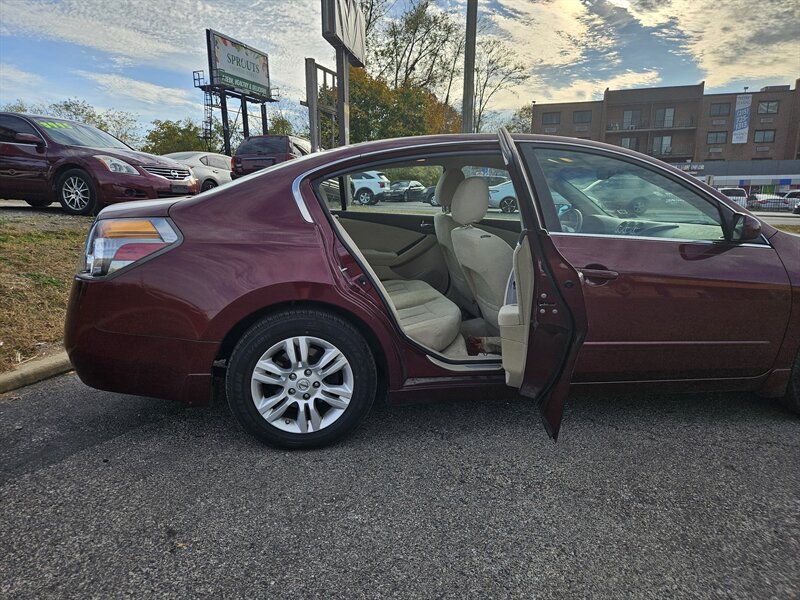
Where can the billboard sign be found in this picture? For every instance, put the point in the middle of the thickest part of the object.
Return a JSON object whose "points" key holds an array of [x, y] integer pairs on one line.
{"points": [[741, 118], [343, 27], [238, 66]]}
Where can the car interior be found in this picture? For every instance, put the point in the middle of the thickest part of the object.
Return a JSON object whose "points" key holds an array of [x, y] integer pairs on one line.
{"points": [[445, 272]]}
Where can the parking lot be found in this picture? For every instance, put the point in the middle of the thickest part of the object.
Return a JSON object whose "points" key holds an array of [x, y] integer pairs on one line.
{"points": [[693, 496]]}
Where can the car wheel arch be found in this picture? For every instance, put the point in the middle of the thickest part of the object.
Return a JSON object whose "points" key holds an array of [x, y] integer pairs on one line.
{"points": [[381, 351], [63, 168]]}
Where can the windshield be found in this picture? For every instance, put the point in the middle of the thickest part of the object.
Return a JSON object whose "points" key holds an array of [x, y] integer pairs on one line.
{"points": [[264, 145], [399, 184], [70, 133]]}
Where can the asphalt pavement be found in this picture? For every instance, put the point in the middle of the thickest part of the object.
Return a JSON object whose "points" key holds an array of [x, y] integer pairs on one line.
{"points": [[112, 496]]}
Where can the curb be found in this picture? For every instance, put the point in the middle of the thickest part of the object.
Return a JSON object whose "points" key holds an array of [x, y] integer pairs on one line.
{"points": [[35, 370]]}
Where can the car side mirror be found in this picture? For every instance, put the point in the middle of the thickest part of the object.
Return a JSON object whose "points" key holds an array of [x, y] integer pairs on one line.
{"points": [[745, 228], [28, 138]]}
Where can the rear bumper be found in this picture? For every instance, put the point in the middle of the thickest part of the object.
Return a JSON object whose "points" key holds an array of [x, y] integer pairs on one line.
{"points": [[159, 367]]}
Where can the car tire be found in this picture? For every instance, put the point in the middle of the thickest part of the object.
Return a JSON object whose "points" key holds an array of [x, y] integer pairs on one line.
{"points": [[364, 196], [208, 184], [508, 205], [77, 193], [261, 372], [792, 398], [39, 203], [638, 206]]}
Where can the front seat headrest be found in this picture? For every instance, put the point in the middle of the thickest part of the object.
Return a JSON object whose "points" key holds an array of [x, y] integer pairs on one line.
{"points": [[470, 201]]}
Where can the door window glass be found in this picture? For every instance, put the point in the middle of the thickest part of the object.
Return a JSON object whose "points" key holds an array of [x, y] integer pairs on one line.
{"points": [[220, 162], [11, 126], [665, 117], [631, 119], [204, 160], [594, 194]]}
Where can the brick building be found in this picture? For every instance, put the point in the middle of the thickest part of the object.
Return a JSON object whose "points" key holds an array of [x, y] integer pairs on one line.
{"points": [[683, 124]]}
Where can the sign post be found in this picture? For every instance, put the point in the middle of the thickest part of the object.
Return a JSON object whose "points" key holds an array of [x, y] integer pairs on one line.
{"points": [[343, 27]]}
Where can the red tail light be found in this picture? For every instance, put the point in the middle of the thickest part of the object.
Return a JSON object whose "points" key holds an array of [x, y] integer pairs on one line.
{"points": [[381, 184]]}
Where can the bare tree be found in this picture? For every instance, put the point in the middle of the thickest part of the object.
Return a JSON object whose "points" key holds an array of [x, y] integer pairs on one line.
{"points": [[495, 70], [416, 47], [374, 11]]}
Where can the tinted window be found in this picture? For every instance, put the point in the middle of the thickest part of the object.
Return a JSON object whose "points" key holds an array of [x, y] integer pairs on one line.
{"points": [[70, 133], [11, 125], [277, 144], [551, 118], [220, 162], [764, 136], [617, 197], [722, 109], [582, 116], [204, 160], [768, 108], [717, 137]]}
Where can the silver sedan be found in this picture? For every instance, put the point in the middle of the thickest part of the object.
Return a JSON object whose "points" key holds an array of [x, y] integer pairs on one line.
{"points": [[209, 169]]}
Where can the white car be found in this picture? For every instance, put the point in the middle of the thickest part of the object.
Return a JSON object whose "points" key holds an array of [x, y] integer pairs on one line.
{"points": [[209, 169], [369, 186], [503, 196], [737, 194]]}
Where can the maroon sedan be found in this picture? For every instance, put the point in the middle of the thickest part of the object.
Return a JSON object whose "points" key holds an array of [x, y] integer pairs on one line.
{"points": [[44, 159], [309, 307]]}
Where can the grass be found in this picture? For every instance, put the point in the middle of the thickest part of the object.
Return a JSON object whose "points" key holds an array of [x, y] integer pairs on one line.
{"points": [[39, 251], [789, 228]]}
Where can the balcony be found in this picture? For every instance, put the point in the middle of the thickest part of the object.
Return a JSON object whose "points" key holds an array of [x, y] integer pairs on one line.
{"points": [[674, 151], [651, 126]]}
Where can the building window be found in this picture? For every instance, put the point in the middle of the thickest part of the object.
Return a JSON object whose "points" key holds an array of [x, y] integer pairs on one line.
{"points": [[551, 118], [631, 143], [662, 144], [665, 117], [723, 109], [717, 137], [764, 136], [768, 108], [631, 119], [582, 116]]}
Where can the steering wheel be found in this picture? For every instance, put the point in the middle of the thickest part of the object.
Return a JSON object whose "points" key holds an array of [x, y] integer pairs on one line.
{"points": [[571, 220]]}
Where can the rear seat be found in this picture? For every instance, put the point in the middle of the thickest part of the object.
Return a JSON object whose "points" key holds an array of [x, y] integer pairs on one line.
{"points": [[425, 315]]}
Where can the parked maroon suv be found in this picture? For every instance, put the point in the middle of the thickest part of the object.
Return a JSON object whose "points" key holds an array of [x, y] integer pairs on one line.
{"points": [[261, 151], [309, 307], [44, 159]]}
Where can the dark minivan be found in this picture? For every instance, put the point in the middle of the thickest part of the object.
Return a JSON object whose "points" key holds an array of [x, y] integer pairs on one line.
{"points": [[261, 151]]}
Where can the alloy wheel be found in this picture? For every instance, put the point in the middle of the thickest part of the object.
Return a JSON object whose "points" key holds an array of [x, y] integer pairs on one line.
{"points": [[76, 193], [302, 384]]}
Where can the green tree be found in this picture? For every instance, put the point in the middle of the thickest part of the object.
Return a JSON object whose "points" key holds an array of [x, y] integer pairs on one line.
{"points": [[174, 136], [520, 121]]}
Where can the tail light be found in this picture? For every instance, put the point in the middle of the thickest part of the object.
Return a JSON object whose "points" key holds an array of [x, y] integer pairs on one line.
{"points": [[381, 184], [114, 244], [233, 163]]}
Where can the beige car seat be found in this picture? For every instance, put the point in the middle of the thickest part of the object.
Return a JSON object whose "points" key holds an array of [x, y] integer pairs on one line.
{"points": [[444, 225], [485, 259]]}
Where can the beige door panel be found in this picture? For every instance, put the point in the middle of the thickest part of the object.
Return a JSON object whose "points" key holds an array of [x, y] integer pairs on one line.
{"points": [[398, 253], [515, 318]]}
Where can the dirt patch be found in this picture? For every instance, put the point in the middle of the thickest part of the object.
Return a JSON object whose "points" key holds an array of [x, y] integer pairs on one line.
{"points": [[789, 228], [39, 252]]}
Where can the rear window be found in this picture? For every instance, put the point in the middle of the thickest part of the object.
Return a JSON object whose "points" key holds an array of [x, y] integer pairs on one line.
{"points": [[264, 145], [734, 193]]}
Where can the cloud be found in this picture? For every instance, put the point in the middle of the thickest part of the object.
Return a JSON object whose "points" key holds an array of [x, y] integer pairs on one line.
{"points": [[726, 46], [145, 95], [10, 73]]}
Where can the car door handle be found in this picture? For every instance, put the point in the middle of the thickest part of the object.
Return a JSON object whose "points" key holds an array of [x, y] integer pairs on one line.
{"points": [[598, 276], [425, 225]]}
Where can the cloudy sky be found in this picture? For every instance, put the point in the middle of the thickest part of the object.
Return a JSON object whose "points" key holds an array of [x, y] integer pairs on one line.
{"points": [[138, 55]]}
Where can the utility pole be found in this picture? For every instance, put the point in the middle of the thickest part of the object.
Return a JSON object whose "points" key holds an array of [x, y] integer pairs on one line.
{"points": [[468, 106]]}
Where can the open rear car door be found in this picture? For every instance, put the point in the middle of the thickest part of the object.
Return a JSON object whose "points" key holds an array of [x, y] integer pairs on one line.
{"points": [[543, 321]]}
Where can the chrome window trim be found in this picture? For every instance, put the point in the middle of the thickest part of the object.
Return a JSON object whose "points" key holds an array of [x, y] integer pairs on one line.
{"points": [[766, 243], [300, 201]]}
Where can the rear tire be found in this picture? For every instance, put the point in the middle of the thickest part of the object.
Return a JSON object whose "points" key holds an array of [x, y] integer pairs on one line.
{"points": [[39, 203], [792, 398], [508, 205], [76, 193], [208, 184], [364, 196], [299, 400]]}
